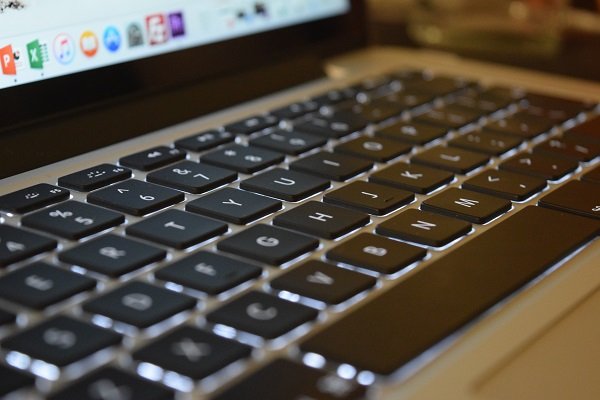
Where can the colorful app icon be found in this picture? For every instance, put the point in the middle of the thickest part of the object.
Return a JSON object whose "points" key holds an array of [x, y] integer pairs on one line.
{"points": [[7, 60], [64, 49], [156, 25], [37, 54], [135, 35], [112, 39], [89, 43], [177, 24]]}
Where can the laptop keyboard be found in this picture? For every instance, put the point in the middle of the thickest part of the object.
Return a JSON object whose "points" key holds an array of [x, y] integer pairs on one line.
{"points": [[303, 253]]}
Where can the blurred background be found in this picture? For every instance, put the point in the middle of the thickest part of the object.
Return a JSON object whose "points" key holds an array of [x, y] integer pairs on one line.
{"points": [[558, 36]]}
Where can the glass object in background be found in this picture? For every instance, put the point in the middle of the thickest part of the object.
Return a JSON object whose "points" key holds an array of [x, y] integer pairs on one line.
{"points": [[528, 27]]}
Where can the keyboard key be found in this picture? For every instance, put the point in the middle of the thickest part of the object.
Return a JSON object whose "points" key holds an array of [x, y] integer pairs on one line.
{"points": [[539, 165], [94, 178], [12, 380], [17, 244], [452, 291], [376, 149], [262, 314], [268, 244], [6, 318], [243, 158], [110, 383], [565, 148], [205, 140], [438, 85], [324, 282], [283, 380], [507, 185], [285, 184], [577, 197], [40, 285], [486, 142], [139, 304], [73, 220], [451, 159], [332, 126], [135, 197], [424, 228], [177, 229], [332, 166], [32, 198], [521, 125], [61, 340], [464, 204], [112, 255], [293, 143], [451, 116], [380, 109], [209, 272], [589, 131], [322, 220], [153, 158], [412, 132], [234, 205], [555, 108], [252, 124], [412, 177], [335, 96], [192, 177], [192, 352], [376, 253], [484, 102], [592, 176], [295, 110], [368, 197]]}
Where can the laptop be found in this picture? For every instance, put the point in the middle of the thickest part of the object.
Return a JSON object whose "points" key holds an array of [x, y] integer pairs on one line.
{"points": [[240, 200]]}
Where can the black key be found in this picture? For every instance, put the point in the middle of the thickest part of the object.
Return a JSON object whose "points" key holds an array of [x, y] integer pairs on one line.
{"points": [[577, 197], [589, 131], [262, 314], [209, 272], [205, 140], [176, 228], [40, 285], [283, 380], [268, 244], [545, 167], [439, 85], [424, 227], [73, 220], [112, 255], [110, 383], [484, 102], [368, 197], [61, 340], [295, 110], [486, 142], [592, 176], [17, 244], [376, 149], [452, 116], [234, 205], [285, 184], [451, 159], [6, 318], [376, 253], [507, 185], [555, 108], [412, 132], [192, 352], [522, 125], [192, 177], [372, 83], [452, 291], [12, 380], [412, 177], [320, 219], [323, 282], [135, 197], [32, 198], [464, 204], [293, 143], [333, 126], [94, 178], [139, 304], [335, 96], [564, 148], [379, 110], [331, 165], [243, 158], [252, 124], [153, 158]]}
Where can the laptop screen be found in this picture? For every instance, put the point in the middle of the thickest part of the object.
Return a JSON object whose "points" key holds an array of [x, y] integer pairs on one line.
{"points": [[43, 39]]}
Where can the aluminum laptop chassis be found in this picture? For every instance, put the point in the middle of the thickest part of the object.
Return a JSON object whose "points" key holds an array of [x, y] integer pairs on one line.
{"points": [[475, 363]]}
